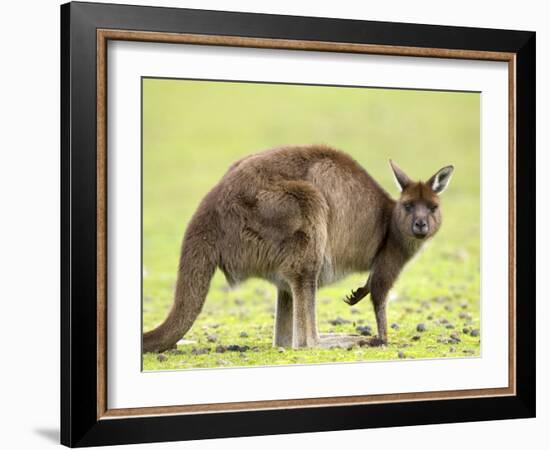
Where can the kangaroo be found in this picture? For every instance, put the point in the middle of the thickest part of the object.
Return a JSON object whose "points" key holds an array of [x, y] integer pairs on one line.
{"points": [[301, 217]]}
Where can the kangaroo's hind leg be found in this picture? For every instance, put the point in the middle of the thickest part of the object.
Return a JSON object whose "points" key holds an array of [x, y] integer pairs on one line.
{"points": [[292, 215], [304, 250], [282, 336], [304, 331]]}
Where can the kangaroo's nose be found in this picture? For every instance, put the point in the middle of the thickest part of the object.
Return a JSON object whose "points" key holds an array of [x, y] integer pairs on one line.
{"points": [[420, 227], [421, 224]]}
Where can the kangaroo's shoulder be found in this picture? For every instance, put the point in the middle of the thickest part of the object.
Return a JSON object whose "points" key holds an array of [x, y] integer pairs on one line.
{"points": [[333, 163]]}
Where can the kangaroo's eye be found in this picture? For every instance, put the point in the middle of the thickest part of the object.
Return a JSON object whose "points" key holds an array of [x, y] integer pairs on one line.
{"points": [[408, 206], [433, 208]]}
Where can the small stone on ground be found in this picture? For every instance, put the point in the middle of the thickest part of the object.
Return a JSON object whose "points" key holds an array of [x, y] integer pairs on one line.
{"points": [[364, 331], [339, 321]]}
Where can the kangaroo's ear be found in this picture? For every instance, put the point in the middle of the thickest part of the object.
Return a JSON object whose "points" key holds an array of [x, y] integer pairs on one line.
{"points": [[440, 180], [401, 177]]}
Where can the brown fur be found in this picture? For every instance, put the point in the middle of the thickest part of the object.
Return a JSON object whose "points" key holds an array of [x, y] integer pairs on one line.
{"points": [[301, 217]]}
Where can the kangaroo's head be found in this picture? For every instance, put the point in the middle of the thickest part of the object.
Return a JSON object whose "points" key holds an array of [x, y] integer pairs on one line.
{"points": [[417, 213]]}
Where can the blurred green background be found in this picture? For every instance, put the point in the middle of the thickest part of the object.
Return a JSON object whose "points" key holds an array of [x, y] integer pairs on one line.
{"points": [[193, 131]]}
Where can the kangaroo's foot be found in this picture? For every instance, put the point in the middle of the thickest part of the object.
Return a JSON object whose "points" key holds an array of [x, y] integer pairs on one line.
{"points": [[305, 341], [376, 342], [341, 341]]}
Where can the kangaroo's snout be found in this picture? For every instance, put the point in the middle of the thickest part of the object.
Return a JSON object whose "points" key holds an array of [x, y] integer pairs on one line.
{"points": [[420, 228]]}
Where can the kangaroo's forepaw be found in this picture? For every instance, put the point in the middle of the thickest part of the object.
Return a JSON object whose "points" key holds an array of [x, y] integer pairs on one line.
{"points": [[356, 296]]}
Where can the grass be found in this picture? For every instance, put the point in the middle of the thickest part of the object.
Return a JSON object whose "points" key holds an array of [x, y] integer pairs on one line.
{"points": [[193, 131]]}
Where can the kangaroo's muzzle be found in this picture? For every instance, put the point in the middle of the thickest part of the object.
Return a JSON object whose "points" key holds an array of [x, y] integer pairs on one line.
{"points": [[420, 228]]}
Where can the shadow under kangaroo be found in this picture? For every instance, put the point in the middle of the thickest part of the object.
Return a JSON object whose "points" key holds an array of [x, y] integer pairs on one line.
{"points": [[301, 217]]}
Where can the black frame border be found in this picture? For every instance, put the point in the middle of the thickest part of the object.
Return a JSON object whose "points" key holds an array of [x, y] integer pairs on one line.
{"points": [[79, 423]]}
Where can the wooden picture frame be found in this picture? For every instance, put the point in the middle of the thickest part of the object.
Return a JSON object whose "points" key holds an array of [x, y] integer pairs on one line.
{"points": [[86, 418]]}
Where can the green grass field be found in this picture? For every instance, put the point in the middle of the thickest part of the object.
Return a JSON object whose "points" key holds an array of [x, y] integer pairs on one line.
{"points": [[194, 130]]}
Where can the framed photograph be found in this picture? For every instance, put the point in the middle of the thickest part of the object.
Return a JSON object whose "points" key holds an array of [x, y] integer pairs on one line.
{"points": [[278, 224]]}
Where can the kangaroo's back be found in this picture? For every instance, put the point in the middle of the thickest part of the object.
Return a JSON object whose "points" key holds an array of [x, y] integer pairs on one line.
{"points": [[358, 209]]}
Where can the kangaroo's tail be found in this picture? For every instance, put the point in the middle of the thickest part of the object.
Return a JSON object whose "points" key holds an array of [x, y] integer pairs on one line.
{"points": [[197, 265]]}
